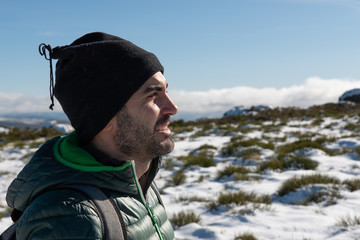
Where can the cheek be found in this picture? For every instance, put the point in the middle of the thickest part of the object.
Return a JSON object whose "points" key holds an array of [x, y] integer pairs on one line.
{"points": [[151, 114]]}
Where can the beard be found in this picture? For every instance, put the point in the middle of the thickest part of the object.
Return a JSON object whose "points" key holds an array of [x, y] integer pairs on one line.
{"points": [[137, 140]]}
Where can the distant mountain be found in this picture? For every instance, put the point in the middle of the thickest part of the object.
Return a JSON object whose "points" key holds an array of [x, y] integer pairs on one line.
{"points": [[31, 120]]}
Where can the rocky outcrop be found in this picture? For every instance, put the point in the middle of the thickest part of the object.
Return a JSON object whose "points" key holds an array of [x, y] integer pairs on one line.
{"points": [[245, 111], [351, 96]]}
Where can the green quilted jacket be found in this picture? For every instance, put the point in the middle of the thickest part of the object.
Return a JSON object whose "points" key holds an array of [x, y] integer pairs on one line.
{"points": [[54, 213]]}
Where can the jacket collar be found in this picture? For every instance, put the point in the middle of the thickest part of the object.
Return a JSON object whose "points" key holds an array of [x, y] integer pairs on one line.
{"points": [[85, 157]]}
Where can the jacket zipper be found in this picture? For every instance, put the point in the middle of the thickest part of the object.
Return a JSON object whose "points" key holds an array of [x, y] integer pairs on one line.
{"points": [[144, 202]]}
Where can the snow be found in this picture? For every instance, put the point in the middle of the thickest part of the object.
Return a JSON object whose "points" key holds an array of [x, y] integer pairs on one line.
{"points": [[61, 127], [4, 130], [283, 218]]}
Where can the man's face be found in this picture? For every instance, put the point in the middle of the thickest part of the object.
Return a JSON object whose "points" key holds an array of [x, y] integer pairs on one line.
{"points": [[142, 125]]}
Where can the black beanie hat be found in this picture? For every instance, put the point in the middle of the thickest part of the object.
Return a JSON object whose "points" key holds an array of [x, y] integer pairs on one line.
{"points": [[96, 75]]}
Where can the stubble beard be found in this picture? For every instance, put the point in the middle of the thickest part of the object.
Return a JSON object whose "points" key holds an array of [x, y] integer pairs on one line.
{"points": [[137, 141]]}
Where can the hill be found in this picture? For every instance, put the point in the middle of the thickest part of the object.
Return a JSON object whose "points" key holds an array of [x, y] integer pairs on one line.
{"points": [[283, 173]]}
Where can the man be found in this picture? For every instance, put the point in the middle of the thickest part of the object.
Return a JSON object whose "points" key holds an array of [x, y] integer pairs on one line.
{"points": [[114, 94]]}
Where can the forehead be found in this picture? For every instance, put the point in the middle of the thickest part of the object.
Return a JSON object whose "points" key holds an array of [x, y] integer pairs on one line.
{"points": [[157, 80]]}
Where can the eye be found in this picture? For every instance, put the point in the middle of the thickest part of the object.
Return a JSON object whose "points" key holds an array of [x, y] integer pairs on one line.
{"points": [[154, 95]]}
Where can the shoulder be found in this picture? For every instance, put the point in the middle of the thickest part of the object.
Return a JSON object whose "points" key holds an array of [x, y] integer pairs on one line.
{"points": [[60, 214]]}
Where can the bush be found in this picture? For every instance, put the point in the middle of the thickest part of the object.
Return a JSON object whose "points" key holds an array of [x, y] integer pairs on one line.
{"points": [[179, 178], [202, 161], [203, 150], [317, 121], [180, 126], [353, 184], [273, 163], [356, 151], [192, 199], [167, 164], [283, 150], [202, 156], [242, 198], [250, 154], [296, 182], [239, 173], [289, 162], [17, 135], [6, 212], [237, 142], [212, 206], [285, 158], [231, 169], [182, 218], [300, 162], [328, 194], [348, 221], [245, 236], [352, 127]]}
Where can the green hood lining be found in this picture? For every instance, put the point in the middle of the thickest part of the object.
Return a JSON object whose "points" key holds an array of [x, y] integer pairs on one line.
{"points": [[68, 152]]}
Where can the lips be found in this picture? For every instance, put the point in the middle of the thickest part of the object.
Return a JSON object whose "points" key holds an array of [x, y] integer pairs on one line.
{"points": [[163, 125], [163, 128]]}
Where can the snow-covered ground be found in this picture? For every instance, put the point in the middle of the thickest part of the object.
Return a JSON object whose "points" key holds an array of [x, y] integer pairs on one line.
{"points": [[283, 218]]}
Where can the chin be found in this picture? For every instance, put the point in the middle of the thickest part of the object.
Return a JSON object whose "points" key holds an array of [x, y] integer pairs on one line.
{"points": [[167, 146]]}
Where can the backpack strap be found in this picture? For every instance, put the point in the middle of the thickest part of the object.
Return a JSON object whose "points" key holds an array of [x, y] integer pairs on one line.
{"points": [[116, 208], [156, 190], [110, 216], [9, 233], [113, 227]]}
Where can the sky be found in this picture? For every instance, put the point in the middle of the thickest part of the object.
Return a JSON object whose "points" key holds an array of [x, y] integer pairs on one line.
{"points": [[216, 54]]}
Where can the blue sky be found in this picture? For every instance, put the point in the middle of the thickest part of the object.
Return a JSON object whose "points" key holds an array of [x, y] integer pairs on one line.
{"points": [[203, 44]]}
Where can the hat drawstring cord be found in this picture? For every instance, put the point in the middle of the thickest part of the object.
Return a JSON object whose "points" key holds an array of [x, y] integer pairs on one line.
{"points": [[42, 50]]}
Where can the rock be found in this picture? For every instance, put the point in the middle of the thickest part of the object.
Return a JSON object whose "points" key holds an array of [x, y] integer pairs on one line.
{"points": [[245, 111], [351, 96]]}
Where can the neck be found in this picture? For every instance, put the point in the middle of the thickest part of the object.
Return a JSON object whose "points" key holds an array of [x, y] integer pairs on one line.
{"points": [[141, 165]]}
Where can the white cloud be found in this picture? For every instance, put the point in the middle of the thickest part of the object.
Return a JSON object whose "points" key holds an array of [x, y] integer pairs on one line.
{"points": [[21, 103], [216, 101]]}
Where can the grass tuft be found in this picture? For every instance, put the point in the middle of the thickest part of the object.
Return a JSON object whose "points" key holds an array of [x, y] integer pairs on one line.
{"points": [[352, 184], [183, 218], [245, 236], [192, 199], [231, 169], [178, 178], [202, 156], [348, 221], [319, 194], [242, 198], [16, 135], [284, 150], [201, 160], [236, 143], [297, 182], [289, 162]]}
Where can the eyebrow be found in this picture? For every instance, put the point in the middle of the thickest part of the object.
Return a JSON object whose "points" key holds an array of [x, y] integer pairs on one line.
{"points": [[155, 87]]}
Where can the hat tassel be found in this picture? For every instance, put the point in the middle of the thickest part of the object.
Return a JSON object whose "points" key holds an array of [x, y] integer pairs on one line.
{"points": [[42, 50]]}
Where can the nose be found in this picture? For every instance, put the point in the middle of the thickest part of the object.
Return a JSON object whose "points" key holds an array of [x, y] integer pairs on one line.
{"points": [[169, 107]]}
